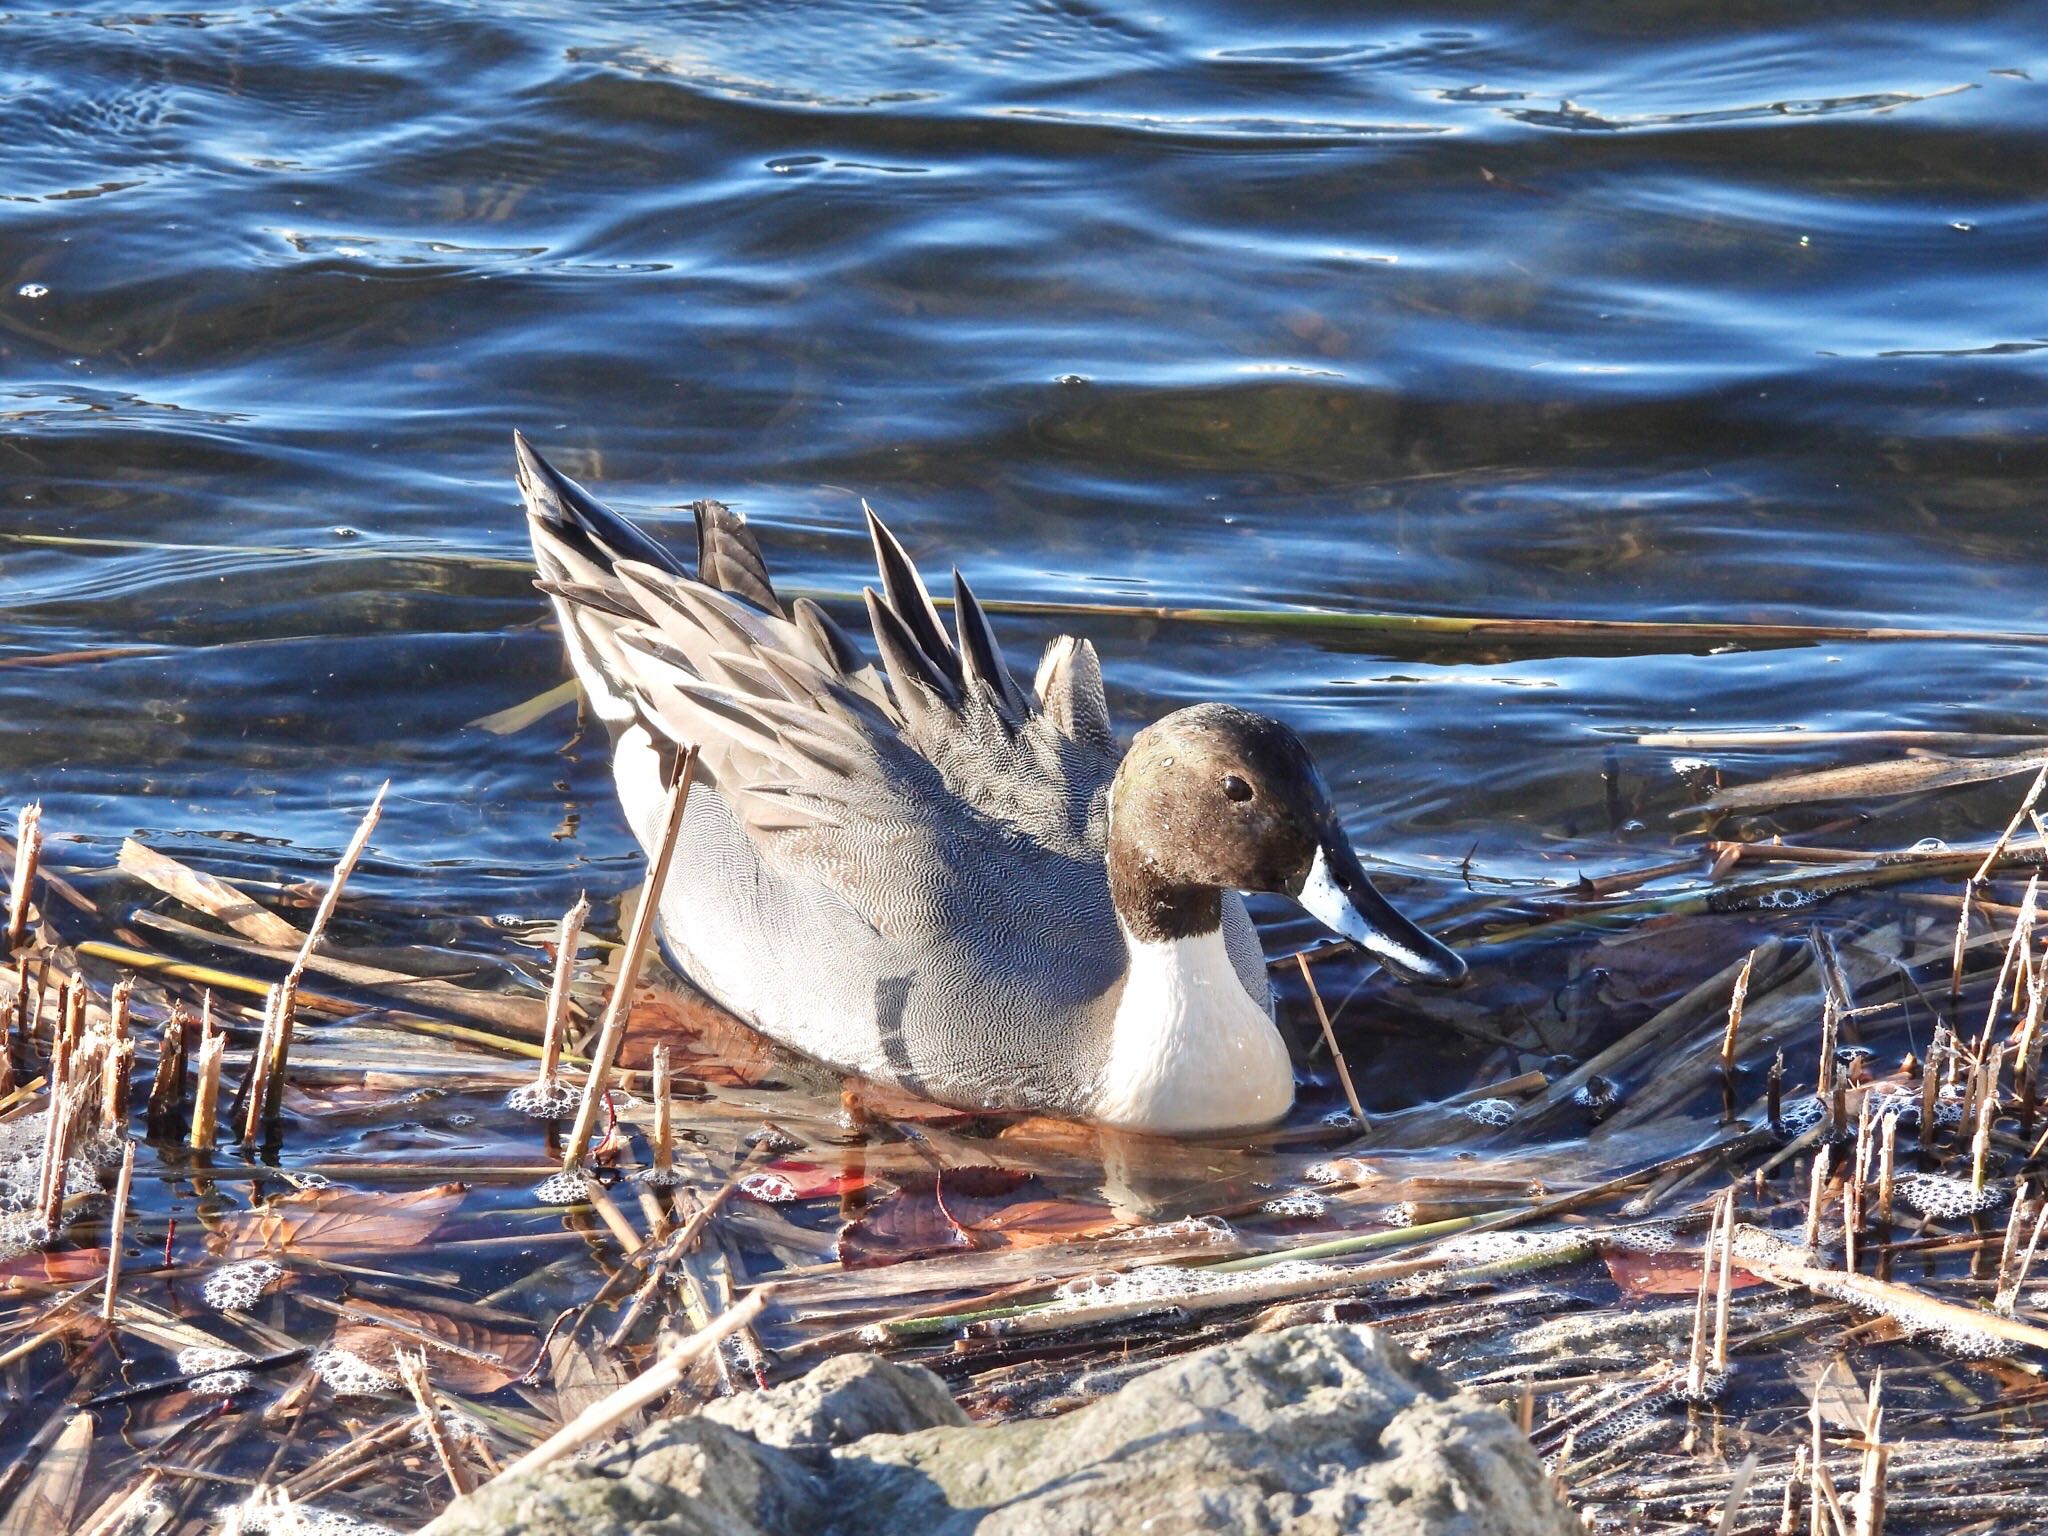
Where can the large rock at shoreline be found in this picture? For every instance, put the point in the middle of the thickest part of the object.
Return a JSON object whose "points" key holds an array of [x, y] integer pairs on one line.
{"points": [[1314, 1430]]}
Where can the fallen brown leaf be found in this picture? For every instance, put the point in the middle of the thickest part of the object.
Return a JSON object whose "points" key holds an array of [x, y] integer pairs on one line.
{"points": [[320, 1221]]}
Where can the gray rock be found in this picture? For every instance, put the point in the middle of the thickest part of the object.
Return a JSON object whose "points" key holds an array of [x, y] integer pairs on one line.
{"points": [[1313, 1430]]}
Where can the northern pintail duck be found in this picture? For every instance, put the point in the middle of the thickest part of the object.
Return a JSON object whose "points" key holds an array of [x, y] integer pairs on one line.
{"points": [[919, 871]]}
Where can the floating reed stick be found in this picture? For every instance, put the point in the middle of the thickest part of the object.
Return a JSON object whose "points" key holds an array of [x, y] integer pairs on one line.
{"points": [[28, 851], [1330, 1039], [118, 1230], [613, 1029]]}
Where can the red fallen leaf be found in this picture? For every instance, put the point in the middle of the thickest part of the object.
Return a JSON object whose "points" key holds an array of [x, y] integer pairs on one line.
{"points": [[66, 1268], [963, 1209], [462, 1356], [704, 1041], [319, 1221], [1673, 1273]]}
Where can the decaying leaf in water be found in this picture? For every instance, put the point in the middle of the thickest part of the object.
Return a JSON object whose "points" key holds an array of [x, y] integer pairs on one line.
{"points": [[321, 1221], [34, 1268], [964, 1208], [1674, 1272], [808, 1181], [462, 1355], [704, 1041]]}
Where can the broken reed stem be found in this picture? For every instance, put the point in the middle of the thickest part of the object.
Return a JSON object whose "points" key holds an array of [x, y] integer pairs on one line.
{"points": [[1940, 1047], [266, 1107], [1696, 1356], [28, 852], [1876, 1459], [650, 1386], [1726, 1283], [1976, 881], [566, 940], [1735, 1001], [1987, 1112], [1330, 1039], [117, 1231], [2011, 1295], [256, 1082], [634, 952], [213, 1045], [663, 1134], [1816, 1193], [412, 1370], [167, 1090]]}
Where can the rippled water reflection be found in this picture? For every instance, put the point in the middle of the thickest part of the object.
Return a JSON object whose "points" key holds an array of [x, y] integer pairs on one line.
{"points": [[1695, 311]]}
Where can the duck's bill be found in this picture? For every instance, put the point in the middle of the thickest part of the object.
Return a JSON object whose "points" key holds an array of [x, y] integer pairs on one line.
{"points": [[1338, 895]]}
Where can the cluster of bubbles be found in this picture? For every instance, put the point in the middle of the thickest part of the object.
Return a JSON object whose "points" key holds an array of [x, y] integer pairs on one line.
{"points": [[237, 1287], [1302, 1203], [1936, 1194], [1201, 1229], [544, 1099], [1645, 1237], [270, 1512], [1168, 1283], [459, 1427], [564, 1188], [1342, 1170], [1486, 1247], [348, 1374], [212, 1369], [768, 1188], [1490, 1112]]}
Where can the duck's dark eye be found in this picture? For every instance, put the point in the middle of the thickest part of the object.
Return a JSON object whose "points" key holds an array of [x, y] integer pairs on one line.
{"points": [[1236, 788]]}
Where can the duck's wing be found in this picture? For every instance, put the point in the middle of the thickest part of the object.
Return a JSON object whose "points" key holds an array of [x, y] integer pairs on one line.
{"points": [[918, 787]]}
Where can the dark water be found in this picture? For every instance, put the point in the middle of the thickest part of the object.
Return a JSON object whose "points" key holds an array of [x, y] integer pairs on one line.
{"points": [[1702, 311]]}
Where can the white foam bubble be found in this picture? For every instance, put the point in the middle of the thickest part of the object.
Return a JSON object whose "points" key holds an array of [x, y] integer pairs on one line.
{"points": [[1936, 1194], [1201, 1229], [1490, 1112], [565, 1188], [272, 1513], [237, 1287], [211, 1367], [769, 1188], [348, 1374], [1302, 1203], [544, 1100]]}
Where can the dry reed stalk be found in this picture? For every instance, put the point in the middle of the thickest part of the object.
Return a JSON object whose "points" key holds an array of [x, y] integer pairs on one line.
{"points": [[1696, 1355], [266, 1107], [631, 957], [1876, 1458], [167, 1088], [1725, 1287], [650, 1386], [1330, 1039], [412, 1370], [213, 1044], [256, 1081], [1887, 1159], [1816, 1194], [1976, 882], [117, 1231], [64, 1110], [566, 940], [1788, 1517], [2009, 1295], [28, 852], [117, 1071], [1987, 1112], [1827, 1086], [663, 1134], [1735, 1002]]}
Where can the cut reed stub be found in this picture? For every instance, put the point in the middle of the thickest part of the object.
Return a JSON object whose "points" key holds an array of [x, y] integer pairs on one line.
{"points": [[547, 1097], [28, 851]]}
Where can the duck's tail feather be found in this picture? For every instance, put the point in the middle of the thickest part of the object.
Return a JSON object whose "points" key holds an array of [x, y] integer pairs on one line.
{"points": [[580, 519], [730, 560]]}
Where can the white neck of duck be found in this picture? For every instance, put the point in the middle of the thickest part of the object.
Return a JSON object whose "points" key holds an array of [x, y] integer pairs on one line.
{"points": [[1191, 1051]]}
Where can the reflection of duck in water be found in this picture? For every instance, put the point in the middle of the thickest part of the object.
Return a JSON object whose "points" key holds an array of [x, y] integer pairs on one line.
{"points": [[924, 873]]}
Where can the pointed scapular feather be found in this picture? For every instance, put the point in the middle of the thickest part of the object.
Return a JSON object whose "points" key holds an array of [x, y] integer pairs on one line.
{"points": [[981, 655], [909, 599], [918, 687], [833, 645], [729, 559]]}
